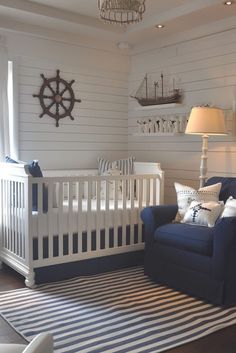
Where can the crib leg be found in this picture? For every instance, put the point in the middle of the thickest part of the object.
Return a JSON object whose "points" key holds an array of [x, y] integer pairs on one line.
{"points": [[29, 279]]}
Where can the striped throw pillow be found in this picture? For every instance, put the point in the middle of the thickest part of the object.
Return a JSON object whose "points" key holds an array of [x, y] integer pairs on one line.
{"points": [[126, 166]]}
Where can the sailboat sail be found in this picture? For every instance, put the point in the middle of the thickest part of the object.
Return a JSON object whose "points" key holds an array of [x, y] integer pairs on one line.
{"points": [[154, 94]]}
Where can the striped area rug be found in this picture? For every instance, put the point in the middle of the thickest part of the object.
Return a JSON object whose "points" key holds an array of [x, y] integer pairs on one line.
{"points": [[121, 311]]}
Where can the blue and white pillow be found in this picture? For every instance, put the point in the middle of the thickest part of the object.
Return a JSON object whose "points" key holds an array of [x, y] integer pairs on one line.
{"points": [[126, 166]]}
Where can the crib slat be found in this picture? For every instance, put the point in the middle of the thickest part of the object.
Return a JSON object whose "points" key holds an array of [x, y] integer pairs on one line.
{"points": [[148, 192], [8, 217], [132, 211], [107, 211], [1, 213], [140, 204], [70, 218], [11, 240], [16, 208], [18, 216], [98, 216], [124, 221], [22, 205], [154, 181], [115, 213], [60, 197], [50, 219], [89, 217], [40, 221], [15, 241], [80, 215], [6, 214], [2, 220]]}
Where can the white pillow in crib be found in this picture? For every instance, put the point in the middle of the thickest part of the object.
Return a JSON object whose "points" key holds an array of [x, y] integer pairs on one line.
{"points": [[113, 171], [186, 194], [203, 213], [230, 208]]}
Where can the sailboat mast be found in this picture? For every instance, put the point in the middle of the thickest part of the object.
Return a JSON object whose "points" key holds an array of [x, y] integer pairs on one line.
{"points": [[146, 86], [162, 88], [156, 85]]}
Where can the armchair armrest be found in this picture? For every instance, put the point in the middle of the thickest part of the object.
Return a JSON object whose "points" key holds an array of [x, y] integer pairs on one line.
{"points": [[224, 249], [155, 216]]}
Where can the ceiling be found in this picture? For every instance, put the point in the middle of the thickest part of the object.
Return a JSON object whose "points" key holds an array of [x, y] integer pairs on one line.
{"points": [[81, 17]]}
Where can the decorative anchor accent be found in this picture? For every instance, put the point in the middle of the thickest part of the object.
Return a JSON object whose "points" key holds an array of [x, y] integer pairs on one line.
{"points": [[196, 209], [61, 95]]}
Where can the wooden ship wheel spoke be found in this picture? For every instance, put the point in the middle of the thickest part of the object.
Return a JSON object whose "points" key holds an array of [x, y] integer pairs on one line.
{"points": [[58, 87]]}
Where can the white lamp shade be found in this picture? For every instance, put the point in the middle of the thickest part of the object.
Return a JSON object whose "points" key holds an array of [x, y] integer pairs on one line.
{"points": [[206, 121]]}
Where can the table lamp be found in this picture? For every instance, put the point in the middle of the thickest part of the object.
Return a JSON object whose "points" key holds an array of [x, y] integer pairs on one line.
{"points": [[205, 121]]}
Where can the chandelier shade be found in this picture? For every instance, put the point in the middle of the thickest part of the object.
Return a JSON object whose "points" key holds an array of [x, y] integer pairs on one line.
{"points": [[121, 12]]}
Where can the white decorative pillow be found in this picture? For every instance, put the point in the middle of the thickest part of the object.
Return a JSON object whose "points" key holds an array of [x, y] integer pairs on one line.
{"points": [[230, 208], [186, 194], [203, 213]]}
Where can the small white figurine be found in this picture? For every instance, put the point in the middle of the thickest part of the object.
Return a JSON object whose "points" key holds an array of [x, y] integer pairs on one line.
{"points": [[176, 126], [161, 128], [140, 126], [169, 126], [145, 127], [156, 125], [150, 126], [181, 124], [165, 123]]}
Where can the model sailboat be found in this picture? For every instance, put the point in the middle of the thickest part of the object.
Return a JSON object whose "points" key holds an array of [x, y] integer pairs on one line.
{"points": [[146, 95]]}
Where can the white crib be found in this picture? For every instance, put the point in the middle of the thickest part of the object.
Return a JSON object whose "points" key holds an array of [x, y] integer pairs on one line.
{"points": [[80, 221]]}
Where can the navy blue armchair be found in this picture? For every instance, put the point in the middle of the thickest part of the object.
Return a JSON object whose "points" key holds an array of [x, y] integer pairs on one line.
{"points": [[197, 260]]}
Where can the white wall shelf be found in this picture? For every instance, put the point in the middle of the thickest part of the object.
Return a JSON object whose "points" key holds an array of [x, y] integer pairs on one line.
{"points": [[151, 134], [159, 106]]}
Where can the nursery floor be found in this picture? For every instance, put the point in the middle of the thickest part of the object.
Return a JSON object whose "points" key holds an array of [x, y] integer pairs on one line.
{"points": [[223, 341]]}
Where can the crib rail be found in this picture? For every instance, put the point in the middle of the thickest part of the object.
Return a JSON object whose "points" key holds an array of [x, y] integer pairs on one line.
{"points": [[51, 220], [14, 225], [104, 222]]}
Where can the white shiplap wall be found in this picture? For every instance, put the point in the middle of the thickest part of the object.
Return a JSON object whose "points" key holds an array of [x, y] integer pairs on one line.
{"points": [[206, 71], [100, 125]]}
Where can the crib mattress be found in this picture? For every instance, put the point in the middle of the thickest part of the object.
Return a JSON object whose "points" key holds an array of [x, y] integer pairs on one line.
{"points": [[65, 221]]}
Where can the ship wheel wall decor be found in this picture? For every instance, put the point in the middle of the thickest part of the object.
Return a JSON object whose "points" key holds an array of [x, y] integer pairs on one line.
{"points": [[56, 98]]}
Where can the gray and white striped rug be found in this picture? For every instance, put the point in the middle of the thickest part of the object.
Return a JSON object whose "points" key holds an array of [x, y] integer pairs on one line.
{"points": [[121, 311]]}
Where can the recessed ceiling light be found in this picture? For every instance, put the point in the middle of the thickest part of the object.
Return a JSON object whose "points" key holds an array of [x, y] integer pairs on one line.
{"points": [[123, 45], [228, 3], [159, 26]]}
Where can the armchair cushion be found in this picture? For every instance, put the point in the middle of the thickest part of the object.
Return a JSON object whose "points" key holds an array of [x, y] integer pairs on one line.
{"points": [[186, 237]]}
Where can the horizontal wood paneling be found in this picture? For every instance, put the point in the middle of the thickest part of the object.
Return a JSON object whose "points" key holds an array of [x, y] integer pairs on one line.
{"points": [[206, 72], [100, 125]]}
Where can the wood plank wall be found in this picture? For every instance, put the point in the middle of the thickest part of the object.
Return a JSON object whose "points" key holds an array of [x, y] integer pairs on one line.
{"points": [[101, 82], [205, 69]]}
